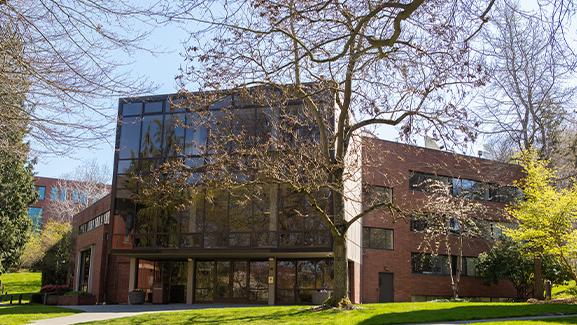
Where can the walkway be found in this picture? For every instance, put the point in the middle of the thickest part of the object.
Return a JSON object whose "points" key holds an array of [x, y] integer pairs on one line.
{"points": [[104, 312]]}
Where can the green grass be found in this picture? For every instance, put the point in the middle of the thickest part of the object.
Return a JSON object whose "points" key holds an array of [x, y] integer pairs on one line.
{"points": [[394, 313], [560, 291], [24, 314], [550, 321], [22, 282]]}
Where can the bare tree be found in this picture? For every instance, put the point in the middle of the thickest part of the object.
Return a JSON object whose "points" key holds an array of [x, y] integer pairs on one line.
{"points": [[71, 56], [371, 63], [450, 222], [77, 190], [528, 101]]}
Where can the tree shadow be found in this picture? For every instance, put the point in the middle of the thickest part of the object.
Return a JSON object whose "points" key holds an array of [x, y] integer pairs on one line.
{"points": [[467, 313]]}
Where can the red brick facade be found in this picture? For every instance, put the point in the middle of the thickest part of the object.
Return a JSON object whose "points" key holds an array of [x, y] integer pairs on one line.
{"points": [[96, 240], [390, 164]]}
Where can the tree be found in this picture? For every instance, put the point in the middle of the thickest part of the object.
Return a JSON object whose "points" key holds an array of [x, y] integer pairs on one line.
{"points": [[88, 183], [507, 260], [16, 180], [374, 63], [40, 242], [450, 222], [57, 249], [72, 62], [527, 103], [546, 215]]}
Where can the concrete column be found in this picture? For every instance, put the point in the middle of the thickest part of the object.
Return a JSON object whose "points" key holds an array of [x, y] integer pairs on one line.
{"points": [[132, 274], [190, 281], [271, 280]]}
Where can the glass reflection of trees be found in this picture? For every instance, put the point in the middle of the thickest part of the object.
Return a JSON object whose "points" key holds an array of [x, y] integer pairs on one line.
{"points": [[277, 218]]}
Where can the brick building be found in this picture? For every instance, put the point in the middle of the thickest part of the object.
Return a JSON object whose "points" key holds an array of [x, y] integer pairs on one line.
{"points": [[52, 190], [192, 258]]}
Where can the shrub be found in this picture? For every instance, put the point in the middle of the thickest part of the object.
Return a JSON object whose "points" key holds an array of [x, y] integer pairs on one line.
{"points": [[55, 289]]}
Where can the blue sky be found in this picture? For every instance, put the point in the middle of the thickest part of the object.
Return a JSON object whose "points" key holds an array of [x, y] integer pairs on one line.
{"points": [[160, 68]]}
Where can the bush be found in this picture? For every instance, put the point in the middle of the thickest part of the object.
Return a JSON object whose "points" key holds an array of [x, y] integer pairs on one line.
{"points": [[55, 289]]}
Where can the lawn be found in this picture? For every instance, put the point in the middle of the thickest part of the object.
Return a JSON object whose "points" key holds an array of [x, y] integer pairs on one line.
{"points": [[24, 314], [21, 282], [560, 291], [550, 321], [395, 313]]}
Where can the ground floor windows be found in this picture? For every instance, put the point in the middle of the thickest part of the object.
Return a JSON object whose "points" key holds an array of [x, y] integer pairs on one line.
{"points": [[439, 264], [298, 280], [231, 281]]}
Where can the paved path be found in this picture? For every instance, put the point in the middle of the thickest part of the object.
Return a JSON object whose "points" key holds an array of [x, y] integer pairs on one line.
{"points": [[498, 319], [104, 312]]}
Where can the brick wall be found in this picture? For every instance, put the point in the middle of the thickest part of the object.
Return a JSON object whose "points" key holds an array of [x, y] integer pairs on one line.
{"points": [[389, 164], [97, 239]]}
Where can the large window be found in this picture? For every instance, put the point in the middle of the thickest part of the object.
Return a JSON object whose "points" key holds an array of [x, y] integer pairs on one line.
{"points": [[35, 214], [129, 138], [231, 281], [378, 238], [438, 264], [466, 188], [41, 192], [374, 195], [297, 280]]}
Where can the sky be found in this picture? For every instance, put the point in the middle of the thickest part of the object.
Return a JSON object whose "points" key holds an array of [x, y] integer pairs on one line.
{"points": [[160, 68]]}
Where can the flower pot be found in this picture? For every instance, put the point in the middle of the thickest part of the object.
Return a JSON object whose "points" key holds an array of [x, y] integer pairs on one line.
{"points": [[136, 297]]}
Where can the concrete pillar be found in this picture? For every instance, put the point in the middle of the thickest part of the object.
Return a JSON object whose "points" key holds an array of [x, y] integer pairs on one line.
{"points": [[271, 280], [190, 282], [132, 274]]}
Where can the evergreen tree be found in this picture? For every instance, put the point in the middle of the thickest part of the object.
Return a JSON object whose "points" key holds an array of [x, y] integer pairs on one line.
{"points": [[16, 178]]}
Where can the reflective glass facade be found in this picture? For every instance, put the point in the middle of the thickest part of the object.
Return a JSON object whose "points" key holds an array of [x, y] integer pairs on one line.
{"points": [[150, 132]]}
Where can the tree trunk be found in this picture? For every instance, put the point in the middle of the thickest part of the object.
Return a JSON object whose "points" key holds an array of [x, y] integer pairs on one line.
{"points": [[538, 293], [340, 294]]}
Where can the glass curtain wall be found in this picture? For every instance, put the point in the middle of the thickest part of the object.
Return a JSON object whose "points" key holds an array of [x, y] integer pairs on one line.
{"points": [[151, 132]]}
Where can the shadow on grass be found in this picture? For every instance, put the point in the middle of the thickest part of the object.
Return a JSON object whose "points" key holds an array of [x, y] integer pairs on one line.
{"points": [[470, 313], [33, 309]]}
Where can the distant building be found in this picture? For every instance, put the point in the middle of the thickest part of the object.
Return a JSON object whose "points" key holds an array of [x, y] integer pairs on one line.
{"points": [[52, 190]]}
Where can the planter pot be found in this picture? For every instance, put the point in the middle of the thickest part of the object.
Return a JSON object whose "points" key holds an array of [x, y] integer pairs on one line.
{"points": [[319, 297], [77, 300], [136, 297]]}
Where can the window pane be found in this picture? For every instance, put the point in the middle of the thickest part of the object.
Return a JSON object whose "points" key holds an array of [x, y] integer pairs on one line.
{"points": [[41, 192], [128, 166], [151, 136], [381, 238], [153, 107], [129, 137], [196, 135], [286, 275], [374, 195], [174, 134], [131, 109], [54, 193], [36, 215], [306, 274]]}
